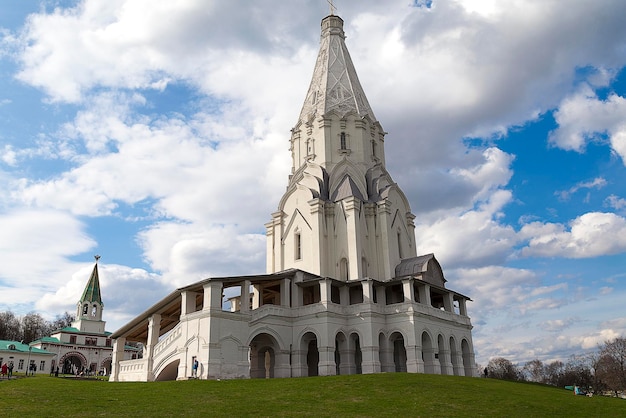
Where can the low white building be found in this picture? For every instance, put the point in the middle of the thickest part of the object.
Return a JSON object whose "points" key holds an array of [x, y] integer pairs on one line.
{"points": [[345, 291], [84, 346], [25, 358]]}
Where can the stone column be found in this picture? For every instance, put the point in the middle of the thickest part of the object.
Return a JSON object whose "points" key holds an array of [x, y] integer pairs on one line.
{"points": [[154, 329], [298, 363], [353, 226], [344, 295], [212, 296], [368, 291], [424, 294], [381, 297], [256, 297], [317, 237], [384, 213], [325, 291], [329, 268], [244, 305], [274, 250], [285, 293], [458, 364], [296, 296], [188, 302], [326, 365], [118, 355], [408, 290], [386, 357], [462, 307], [414, 363], [448, 304], [370, 220]]}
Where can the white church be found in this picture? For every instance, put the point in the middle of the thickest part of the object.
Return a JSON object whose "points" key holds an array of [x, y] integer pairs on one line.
{"points": [[345, 291]]}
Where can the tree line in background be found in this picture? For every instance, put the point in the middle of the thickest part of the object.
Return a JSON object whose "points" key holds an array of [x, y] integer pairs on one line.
{"points": [[31, 326], [600, 372]]}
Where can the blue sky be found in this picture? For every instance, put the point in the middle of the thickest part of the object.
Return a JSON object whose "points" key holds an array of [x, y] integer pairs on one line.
{"points": [[155, 133]]}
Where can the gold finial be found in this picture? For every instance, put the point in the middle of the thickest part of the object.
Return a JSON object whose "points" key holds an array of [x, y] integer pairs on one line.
{"points": [[97, 257], [332, 7]]}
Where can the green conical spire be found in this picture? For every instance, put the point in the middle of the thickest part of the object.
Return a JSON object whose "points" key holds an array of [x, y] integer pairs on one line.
{"points": [[92, 290]]}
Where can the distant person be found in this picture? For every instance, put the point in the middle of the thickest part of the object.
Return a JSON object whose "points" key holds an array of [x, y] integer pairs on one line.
{"points": [[4, 369], [194, 369], [11, 369], [486, 372], [56, 372]]}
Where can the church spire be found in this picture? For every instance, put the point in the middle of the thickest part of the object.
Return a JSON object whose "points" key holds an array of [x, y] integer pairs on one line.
{"points": [[335, 85], [92, 290], [89, 307]]}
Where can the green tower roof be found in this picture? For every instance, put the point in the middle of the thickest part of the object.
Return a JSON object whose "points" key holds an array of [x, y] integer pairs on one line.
{"points": [[92, 290]]}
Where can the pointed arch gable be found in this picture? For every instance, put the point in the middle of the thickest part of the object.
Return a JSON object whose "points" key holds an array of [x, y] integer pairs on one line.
{"points": [[292, 219], [338, 174]]}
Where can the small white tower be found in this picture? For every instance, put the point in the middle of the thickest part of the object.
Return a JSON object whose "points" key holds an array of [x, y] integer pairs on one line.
{"points": [[89, 307]]}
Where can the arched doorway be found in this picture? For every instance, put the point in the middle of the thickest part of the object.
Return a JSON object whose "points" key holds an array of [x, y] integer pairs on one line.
{"points": [[428, 353], [105, 366], [399, 352], [358, 355], [442, 354], [72, 363], [263, 349], [311, 354], [454, 356], [341, 354], [467, 360]]}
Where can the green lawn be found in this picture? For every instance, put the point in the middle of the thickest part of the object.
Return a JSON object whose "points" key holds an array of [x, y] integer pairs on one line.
{"points": [[388, 394]]}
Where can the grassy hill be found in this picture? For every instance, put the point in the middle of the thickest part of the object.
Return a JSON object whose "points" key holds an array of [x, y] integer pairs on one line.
{"points": [[389, 394]]}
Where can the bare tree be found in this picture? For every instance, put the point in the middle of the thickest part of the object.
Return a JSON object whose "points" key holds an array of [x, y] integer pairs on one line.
{"points": [[62, 321], [577, 372], [611, 368], [34, 326], [554, 372], [535, 371], [10, 327], [501, 368]]}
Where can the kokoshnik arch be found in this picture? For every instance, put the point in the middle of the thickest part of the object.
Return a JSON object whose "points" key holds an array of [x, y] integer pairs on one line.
{"points": [[345, 291]]}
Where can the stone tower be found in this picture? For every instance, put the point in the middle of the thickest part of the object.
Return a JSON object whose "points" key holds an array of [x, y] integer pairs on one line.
{"points": [[89, 307], [342, 215]]}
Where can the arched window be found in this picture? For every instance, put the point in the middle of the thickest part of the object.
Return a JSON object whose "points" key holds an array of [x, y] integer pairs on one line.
{"points": [[297, 242], [343, 140], [94, 310], [85, 309]]}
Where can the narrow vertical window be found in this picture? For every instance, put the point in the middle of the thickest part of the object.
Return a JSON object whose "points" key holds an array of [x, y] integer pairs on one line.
{"points": [[399, 246], [298, 246], [343, 140], [343, 269]]}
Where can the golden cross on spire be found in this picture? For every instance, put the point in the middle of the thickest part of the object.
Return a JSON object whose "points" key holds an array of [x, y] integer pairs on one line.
{"points": [[332, 7]]}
